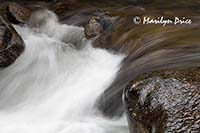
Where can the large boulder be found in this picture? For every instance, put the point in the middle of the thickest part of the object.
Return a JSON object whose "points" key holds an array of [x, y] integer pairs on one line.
{"points": [[165, 101], [11, 44]]}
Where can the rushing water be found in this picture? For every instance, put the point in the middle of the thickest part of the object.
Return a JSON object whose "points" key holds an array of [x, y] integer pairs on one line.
{"points": [[53, 86]]}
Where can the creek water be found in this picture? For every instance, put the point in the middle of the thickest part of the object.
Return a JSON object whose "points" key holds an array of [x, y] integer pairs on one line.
{"points": [[53, 86]]}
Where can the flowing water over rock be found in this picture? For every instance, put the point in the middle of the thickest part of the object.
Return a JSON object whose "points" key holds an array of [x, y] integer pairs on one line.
{"points": [[60, 69], [52, 87]]}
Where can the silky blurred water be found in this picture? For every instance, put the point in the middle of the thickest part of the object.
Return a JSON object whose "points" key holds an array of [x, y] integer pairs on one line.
{"points": [[53, 86]]}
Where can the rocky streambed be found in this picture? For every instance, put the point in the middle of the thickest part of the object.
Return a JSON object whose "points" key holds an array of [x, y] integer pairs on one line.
{"points": [[159, 77]]}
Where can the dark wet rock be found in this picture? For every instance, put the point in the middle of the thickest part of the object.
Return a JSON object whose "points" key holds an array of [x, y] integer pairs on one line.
{"points": [[93, 28], [99, 22], [11, 44], [17, 14], [166, 101]]}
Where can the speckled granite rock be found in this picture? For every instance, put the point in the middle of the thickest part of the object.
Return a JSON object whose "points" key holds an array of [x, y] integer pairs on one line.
{"points": [[166, 101]]}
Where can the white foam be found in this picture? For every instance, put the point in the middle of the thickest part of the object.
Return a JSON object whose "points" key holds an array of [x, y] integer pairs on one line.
{"points": [[53, 87]]}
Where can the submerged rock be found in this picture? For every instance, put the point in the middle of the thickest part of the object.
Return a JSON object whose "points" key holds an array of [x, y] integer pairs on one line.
{"points": [[17, 14], [11, 44], [166, 101]]}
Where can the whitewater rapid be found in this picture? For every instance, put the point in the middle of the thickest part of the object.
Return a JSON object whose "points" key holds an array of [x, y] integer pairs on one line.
{"points": [[53, 86]]}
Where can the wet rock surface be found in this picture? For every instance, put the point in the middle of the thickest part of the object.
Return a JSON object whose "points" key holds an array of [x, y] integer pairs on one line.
{"points": [[11, 44], [98, 23], [165, 101], [17, 14]]}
